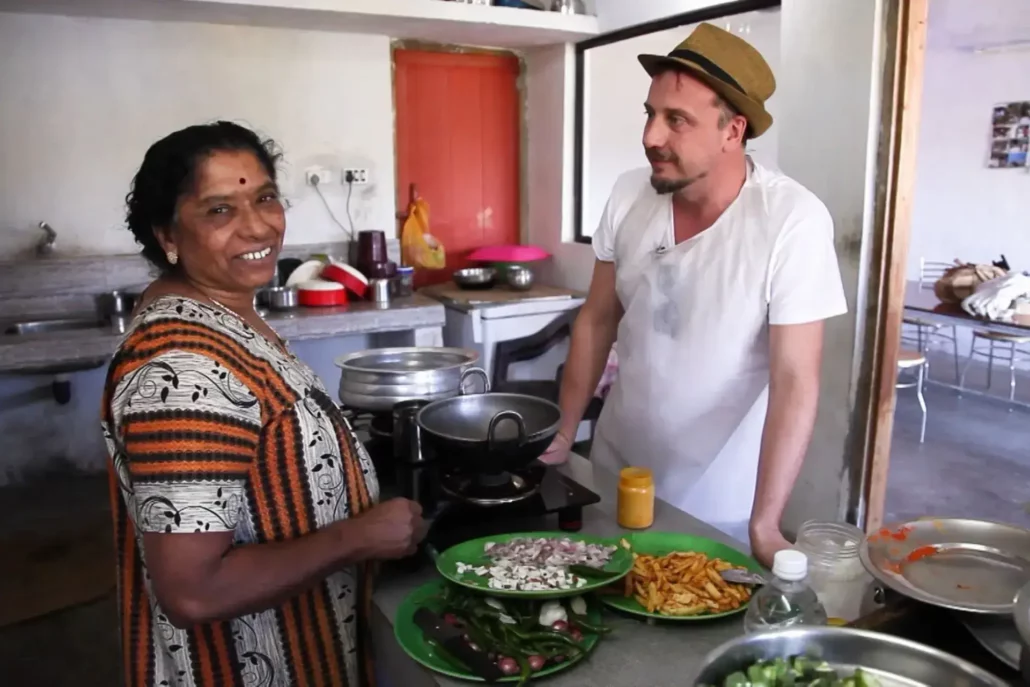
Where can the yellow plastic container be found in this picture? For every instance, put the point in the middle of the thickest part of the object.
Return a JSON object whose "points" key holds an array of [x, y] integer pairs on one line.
{"points": [[636, 498]]}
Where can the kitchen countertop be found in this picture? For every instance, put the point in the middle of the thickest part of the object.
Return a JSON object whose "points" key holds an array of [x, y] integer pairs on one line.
{"points": [[84, 348], [634, 655]]}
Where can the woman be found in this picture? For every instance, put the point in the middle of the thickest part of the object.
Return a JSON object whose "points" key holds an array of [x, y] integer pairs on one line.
{"points": [[243, 503]]}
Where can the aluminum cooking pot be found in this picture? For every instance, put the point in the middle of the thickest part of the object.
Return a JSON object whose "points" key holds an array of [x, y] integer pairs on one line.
{"points": [[489, 432], [378, 379]]}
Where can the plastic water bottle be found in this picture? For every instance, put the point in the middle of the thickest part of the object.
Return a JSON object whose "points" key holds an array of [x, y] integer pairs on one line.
{"points": [[786, 600]]}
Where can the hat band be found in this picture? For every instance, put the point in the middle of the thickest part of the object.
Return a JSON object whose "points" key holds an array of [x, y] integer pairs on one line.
{"points": [[709, 66]]}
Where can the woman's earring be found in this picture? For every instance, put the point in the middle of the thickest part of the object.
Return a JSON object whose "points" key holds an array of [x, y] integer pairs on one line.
{"points": [[173, 257]]}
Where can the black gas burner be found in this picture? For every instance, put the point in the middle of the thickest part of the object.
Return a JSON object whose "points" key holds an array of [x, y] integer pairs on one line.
{"points": [[490, 490]]}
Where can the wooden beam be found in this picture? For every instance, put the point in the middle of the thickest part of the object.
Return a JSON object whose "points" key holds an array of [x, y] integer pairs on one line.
{"points": [[893, 256]]}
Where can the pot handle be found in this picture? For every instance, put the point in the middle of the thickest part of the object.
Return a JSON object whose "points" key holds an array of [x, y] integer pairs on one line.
{"points": [[498, 419], [473, 371]]}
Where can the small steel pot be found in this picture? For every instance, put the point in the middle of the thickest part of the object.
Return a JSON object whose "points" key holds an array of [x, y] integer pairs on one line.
{"points": [[519, 278], [115, 304], [281, 297], [475, 277]]}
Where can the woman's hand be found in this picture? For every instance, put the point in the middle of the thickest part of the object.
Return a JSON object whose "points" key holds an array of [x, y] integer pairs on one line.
{"points": [[392, 529], [558, 452]]}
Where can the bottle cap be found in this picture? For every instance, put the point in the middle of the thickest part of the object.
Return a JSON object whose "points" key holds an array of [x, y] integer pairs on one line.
{"points": [[790, 565]]}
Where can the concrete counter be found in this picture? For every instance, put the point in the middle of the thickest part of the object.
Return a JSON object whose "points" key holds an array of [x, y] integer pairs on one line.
{"points": [[93, 346], [636, 654]]}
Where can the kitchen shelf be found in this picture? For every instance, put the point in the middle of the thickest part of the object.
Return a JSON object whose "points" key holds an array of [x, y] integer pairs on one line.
{"points": [[426, 20]]}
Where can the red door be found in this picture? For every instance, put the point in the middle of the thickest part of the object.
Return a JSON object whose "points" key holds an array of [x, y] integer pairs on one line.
{"points": [[458, 142]]}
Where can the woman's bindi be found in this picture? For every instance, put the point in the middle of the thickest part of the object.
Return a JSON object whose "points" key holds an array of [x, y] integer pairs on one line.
{"points": [[242, 181]]}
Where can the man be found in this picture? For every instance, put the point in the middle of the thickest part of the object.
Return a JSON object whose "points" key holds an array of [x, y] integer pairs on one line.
{"points": [[715, 274]]}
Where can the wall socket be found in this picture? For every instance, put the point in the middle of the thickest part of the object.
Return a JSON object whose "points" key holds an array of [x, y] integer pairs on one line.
{"points": [[354, 175], [323, 174]]}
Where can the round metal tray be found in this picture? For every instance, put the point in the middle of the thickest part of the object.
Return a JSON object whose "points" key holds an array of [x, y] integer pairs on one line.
{"points": [[895, 662], [975, 566]]}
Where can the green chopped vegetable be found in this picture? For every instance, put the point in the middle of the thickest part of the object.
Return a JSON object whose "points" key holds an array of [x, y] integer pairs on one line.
{"points": [[797, 671]]}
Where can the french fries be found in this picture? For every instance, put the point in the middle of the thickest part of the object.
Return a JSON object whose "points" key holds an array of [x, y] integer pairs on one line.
{"points": [[683, 583]]}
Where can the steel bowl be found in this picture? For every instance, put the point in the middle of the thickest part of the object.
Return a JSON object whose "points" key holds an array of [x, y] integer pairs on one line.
{"points": [[489, 432], [520, 278], [475, 277], [895, 662], [281, 297]]}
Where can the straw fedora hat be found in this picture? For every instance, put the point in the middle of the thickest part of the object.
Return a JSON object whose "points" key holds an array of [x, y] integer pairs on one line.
{"points": [[728, 65]]}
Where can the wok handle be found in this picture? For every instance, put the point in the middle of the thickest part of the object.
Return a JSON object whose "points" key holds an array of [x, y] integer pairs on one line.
{"points": [[477, 372], [498, 419]]}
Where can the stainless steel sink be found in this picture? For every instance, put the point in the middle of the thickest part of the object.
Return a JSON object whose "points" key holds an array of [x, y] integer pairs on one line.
{"points": [[47, 326]]}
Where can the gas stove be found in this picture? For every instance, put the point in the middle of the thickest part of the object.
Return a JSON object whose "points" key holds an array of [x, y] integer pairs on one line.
{"points": [[469, 506]]}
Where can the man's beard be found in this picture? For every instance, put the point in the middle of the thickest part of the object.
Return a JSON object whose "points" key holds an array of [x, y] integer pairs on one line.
{"points": [[666, 186]]}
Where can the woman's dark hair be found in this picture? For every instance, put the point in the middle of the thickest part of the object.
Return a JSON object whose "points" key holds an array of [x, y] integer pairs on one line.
{"points": [[169, 170]]}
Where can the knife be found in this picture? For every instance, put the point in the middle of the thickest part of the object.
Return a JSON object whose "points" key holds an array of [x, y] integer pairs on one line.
{"points": [[734, 576], [451, 639]]}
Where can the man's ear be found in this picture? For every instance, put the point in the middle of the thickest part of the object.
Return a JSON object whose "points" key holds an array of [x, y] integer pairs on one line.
{"points": [[736, 129]]}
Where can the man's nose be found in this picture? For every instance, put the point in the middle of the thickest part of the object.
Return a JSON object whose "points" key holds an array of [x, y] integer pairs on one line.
{"points": [[654, 134]]}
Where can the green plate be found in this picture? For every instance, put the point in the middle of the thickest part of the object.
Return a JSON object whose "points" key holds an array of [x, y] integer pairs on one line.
{"points": [[411, 639], [662, 543], [471, 552]]}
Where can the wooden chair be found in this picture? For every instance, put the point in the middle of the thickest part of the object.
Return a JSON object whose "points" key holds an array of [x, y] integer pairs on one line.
{"points": [[927, 330], [914, 360]]}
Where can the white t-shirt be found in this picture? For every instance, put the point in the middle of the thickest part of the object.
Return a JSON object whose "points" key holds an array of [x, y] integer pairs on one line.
{"points": [[692, 389]]}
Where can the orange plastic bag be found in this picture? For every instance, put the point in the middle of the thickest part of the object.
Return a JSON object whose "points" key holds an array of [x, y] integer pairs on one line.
{"points": [[419, 248]]}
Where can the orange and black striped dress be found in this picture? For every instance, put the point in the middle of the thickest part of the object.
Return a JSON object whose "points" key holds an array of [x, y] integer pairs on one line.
{"points": [[212, 428]]}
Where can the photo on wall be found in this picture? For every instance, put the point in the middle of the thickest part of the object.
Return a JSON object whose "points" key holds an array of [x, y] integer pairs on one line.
{"points": [[1010, 135]]}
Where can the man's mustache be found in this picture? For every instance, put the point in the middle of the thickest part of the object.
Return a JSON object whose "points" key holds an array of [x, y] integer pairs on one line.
{"points": [[660, 155]]}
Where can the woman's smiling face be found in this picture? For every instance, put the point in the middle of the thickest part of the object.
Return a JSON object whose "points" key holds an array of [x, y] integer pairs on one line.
{"points": [[229, 225]]}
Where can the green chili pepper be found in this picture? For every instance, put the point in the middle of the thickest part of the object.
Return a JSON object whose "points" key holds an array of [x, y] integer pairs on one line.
{"points": [[525, 671], [583, 623]]}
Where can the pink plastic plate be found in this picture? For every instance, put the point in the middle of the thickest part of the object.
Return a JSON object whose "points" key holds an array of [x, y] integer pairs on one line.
{"points": [[509, 254]]}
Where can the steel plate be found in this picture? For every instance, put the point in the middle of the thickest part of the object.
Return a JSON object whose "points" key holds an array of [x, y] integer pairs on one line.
{"points": [[996, 634], [966, 565]]}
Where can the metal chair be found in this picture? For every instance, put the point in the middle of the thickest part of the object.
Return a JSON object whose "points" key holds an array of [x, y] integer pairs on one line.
{"points": [[1009, 351], [927, 330], [506, 353], [909, 360]]}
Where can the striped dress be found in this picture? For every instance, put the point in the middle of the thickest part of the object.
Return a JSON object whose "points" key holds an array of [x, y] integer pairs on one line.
{"points": [[212, 428]]}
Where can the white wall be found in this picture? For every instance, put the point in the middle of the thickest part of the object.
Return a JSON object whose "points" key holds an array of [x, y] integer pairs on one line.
{"points": [[550, 103], [82, 99], [614, 116], [961, 208], [829, 83]]}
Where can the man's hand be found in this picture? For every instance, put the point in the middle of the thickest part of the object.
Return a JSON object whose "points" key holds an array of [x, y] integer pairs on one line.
{"points": [[766, 540], [558, 452]]}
